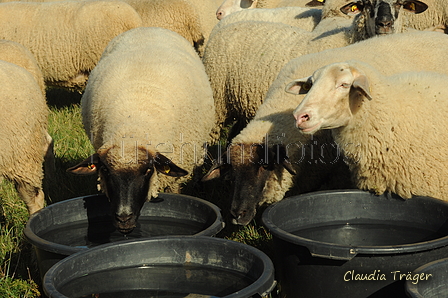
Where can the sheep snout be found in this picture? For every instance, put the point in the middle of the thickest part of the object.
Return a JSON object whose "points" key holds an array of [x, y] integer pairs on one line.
{"points": [[385, 21], [125, 223], [301, 119]]}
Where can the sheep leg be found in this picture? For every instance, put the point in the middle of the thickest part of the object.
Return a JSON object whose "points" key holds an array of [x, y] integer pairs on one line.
{"points": [[49, 161], [32, 196]]}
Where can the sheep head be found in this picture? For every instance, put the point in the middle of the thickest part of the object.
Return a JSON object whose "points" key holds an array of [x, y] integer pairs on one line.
{"points": [[127, 182], [386, 15], [249, 167], [333, 94]]}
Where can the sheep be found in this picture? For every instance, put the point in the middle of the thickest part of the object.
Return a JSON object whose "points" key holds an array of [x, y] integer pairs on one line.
{"points": [[241, 72], [139, 126], [390, 128], [69, 44], [305, 18], [231, 6], [24, 135], [292, 172]]}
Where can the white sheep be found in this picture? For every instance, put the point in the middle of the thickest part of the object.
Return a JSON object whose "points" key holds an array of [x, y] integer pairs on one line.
{"points": [[273, 122], [231, 6], [69, 44], [302, 17], [147, 107], [23, 114], [242, 59], [391, 129]]}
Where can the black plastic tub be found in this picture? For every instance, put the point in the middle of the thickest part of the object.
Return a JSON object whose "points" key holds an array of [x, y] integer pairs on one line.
{"points": [[74, 225], [351, 243], [429, 280], [172, 266]]}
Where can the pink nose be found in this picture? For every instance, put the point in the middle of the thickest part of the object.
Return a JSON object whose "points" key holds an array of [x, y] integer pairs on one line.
{"points": [[301, 118]]}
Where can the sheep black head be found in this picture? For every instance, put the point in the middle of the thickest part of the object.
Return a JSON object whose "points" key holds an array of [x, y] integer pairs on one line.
{"points": [[386, 15], [249, 167], [126, 183]]}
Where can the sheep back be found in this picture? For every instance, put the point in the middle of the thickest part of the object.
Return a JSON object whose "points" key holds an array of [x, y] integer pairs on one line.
{"points": [[305, 18]]}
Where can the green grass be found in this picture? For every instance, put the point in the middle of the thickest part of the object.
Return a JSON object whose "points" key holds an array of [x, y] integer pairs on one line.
{"points": [[19, 276]]}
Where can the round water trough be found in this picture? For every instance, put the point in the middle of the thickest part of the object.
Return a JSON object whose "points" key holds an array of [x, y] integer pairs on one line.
{"points": [[429, 280], [74, 225], [172, 266], [354, 243]]}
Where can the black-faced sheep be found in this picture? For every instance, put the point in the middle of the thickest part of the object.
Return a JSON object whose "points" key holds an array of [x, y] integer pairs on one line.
{"points": [[402, 16], [391, 129], [148, 109]]}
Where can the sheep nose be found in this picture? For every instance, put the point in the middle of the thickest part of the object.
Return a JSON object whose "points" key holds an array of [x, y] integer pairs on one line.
{"points": [[237, 214], [385, 24], [301, 118], [123, 218], [219, 14]]}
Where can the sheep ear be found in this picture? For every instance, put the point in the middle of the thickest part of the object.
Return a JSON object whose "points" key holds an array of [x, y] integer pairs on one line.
{"points": [[283, 159], [300, 86], [254, 4], [88, 166], [415, 6], [361, 84], [165, 166], [353, 8], [218, 169], [315, 3]]}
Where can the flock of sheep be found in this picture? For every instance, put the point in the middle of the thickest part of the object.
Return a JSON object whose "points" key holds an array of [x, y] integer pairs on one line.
{"points": [[347, 93]]}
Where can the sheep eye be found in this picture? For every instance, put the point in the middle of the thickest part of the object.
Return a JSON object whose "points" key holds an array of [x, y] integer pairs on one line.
{"points": [[306, 86], [345, 85]]}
